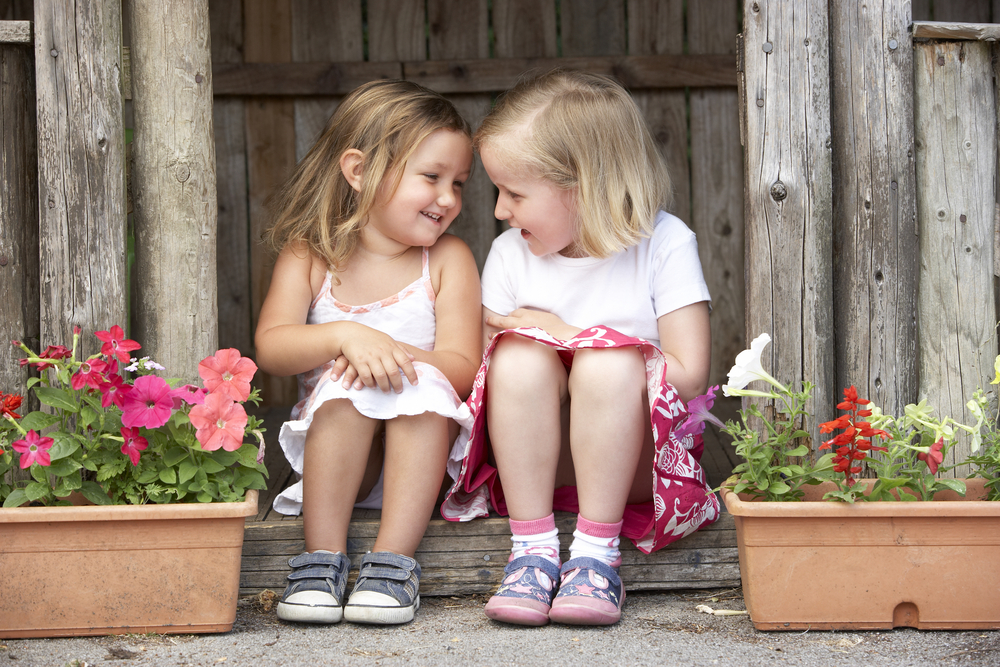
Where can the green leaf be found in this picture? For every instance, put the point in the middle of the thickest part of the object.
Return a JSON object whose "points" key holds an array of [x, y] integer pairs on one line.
{"points": [[211, 466], [147, 476], [185, 471], [36, 491], [779, 488], [16, 498], [38, 473], [88, 415], [64, 446], [90, 465], [204, 497], [56, 398], [168, 476], [64, 467], [224, 458], [801, 450], [38, 421], [93, 492], [956, 485], [173, 456]]}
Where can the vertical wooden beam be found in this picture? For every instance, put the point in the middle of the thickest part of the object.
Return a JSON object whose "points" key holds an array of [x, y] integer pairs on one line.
{"points": [[955, 113], [233, 239], [81, 168], [18, 219], [789, 190], [454, 35], [174, 186], [270, 125], [875, 242], [717, 184], [396, 30], [592, 27], [525, 29], [656, 27]]}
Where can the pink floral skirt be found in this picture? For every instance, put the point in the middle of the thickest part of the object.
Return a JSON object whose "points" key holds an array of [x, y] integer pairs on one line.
{"points": [[682, 500]]}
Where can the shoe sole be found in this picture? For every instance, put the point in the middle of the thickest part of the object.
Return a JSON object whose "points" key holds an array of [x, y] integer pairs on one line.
{"points": [[375, 615], [303, 613], [569, 612], [517, 612]]}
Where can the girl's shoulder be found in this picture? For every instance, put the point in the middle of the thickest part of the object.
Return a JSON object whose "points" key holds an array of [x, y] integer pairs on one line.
{"points": [[450, 254], [296, 258]]}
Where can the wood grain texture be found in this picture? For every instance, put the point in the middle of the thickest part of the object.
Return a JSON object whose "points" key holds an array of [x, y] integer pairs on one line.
{"points": [[467, 75], [270, 137], [18, 223], [396, 30], [174, 185], [233, 239], [956, 141], [717, 185], [789, 191], [987, 32], [81, 169], [875, 241], [525, 29], [16, 32], [465, 558], [592, 27]]}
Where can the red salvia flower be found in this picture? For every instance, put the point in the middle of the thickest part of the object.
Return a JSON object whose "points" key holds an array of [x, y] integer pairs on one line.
{"points": [[854, 443], [8, 404]]}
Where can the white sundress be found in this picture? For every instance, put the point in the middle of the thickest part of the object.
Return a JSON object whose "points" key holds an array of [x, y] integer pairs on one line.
{"points": [[409, 318]]}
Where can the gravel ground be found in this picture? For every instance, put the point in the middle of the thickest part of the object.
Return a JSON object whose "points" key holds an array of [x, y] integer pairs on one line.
{"points": [[656, 628]]}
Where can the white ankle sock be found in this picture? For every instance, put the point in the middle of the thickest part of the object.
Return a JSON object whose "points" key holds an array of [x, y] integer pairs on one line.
{"points": [[535, 538], [603, 545]]}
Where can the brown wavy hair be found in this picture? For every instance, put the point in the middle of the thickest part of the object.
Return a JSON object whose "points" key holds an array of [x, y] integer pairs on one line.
{"points": [[583, 131], [386, 120]]}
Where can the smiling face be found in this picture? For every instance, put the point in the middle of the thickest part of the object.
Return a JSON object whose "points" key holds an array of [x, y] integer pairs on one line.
{"points": [[429, 195], [545, 214]]}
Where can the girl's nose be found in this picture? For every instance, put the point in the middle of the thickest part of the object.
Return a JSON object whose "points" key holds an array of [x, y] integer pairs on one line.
{"points": [[447, 198], [500, 212]]}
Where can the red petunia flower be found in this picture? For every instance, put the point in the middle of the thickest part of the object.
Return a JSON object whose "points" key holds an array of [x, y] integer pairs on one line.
{"points": [[149, 404], [189, 393], [113, 391], [221, 422], [116, 345], [228, 372]]}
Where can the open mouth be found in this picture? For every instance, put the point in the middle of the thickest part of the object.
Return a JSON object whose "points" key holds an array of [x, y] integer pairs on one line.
{"points": [[433, 216]]}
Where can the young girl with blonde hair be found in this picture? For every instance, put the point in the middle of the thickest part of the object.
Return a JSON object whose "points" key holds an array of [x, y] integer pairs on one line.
{"points": [[597, 317], [378, 312]]}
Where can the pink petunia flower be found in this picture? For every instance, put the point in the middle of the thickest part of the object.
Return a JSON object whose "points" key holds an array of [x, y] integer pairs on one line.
{"points": [[116, 345], [220, 421], [149, 404], [133, 445], [698, 413], [113, 391], [91, 373], [189, 394], [33, 449], [228, 372]]}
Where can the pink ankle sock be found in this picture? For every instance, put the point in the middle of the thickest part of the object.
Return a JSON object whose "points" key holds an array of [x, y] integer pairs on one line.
{"points": [[596, 540], [538, 537]]}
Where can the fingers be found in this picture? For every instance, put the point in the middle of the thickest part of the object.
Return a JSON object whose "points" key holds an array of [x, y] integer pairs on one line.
{"points": [[386, 372], [339, 366]]}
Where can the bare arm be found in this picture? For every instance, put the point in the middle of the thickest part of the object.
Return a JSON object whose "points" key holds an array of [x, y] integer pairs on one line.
{"points": [[526, 317], [458, 332], [286, 345], [686, 341]]}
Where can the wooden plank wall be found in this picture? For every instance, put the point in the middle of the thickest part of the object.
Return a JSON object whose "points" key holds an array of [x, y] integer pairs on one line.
{"points": [[280, 67]]}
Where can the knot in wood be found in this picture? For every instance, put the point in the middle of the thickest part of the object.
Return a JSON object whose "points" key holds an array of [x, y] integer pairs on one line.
{"points": [[778, 191], [3, 260], [182, 173]]}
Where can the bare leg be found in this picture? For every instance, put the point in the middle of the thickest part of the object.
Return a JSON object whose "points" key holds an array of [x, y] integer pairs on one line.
{"points": [[608, 428], [527, 389], [337, 451], [416, 453]]}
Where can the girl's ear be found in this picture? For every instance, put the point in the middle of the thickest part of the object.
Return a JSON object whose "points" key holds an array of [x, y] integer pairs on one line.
{"points": [[352, 165]]}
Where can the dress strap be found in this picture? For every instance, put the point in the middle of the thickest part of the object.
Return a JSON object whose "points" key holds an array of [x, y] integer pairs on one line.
{"points": [[425, 274]]}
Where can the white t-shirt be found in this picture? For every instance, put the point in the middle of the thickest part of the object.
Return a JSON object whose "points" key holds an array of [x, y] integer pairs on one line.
{"points": [[628, 291]]}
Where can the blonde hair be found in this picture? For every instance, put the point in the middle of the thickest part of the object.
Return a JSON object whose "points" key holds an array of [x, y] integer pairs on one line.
{"points": [[584, 131], [386, 120]]}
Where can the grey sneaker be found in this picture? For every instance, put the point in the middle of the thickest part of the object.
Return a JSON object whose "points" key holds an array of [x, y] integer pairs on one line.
{"points": [[315, 591], [387, 590]]}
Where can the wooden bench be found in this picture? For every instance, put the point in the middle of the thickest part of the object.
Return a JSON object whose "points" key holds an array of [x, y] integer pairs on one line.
{"points": [[466, 558]]}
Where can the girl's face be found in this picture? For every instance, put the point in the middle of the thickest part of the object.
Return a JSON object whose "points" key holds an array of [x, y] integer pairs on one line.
{"points": [[545, 214], [429, 195]]}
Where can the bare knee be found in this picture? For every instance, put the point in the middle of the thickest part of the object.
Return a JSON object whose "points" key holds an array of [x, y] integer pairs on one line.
{"points": [[520, 364], [618, 372]]}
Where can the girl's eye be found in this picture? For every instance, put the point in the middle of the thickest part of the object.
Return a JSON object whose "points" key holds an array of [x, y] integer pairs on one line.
{"points": [[459, 184], [431, 177]]}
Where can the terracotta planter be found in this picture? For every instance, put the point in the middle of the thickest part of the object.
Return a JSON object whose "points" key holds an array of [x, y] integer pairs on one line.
{"points": [[834, 566], [99, 570]]}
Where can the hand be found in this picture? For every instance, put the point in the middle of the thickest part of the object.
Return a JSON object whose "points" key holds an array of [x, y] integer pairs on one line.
{"points": [[526, 317], [372, 359]]}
